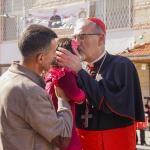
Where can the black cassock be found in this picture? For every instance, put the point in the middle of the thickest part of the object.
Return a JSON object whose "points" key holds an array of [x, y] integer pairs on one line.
{"points": [[115, 101]]}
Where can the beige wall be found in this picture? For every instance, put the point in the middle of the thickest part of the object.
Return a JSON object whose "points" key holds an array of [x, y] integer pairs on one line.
{"points": [[144, 76], [141, 20]]}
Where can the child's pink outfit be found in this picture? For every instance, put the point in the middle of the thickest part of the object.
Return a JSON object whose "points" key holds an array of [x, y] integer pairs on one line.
{"points": [[66, 79]]}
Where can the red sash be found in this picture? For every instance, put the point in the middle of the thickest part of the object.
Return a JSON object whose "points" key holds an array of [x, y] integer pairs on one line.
{"points": [[114, 139]]}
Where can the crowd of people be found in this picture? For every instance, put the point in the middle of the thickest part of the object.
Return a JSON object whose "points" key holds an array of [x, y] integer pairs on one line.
{"points": [[69, 107]]}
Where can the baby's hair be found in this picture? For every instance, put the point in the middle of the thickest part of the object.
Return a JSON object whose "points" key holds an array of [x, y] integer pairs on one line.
{"points": [[64, 43]]}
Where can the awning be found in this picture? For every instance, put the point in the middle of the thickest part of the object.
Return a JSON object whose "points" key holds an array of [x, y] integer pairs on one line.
{"points": [[140, 53]]}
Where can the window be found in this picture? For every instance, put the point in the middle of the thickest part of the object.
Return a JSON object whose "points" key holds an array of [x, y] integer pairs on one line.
{"points": [[10, 29], [115, 13], [13, 17]]}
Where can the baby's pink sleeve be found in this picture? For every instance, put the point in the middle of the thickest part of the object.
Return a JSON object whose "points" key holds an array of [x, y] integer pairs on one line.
{"points": [[71, 89]]}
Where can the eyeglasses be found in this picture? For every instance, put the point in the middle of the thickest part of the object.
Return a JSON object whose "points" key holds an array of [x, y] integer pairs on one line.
{"points": [[82, 36]]}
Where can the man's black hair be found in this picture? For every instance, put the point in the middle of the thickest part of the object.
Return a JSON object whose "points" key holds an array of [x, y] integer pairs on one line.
{"points": [[35, 39]]}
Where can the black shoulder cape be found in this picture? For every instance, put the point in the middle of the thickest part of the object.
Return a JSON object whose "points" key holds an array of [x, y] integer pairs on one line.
{"points": [[116, 96]]}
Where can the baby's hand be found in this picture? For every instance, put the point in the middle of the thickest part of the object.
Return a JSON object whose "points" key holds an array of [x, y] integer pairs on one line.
{"points": [[60, 93]]}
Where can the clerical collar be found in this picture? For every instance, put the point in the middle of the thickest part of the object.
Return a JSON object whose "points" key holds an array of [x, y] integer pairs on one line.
{"points": [[101, 56]]}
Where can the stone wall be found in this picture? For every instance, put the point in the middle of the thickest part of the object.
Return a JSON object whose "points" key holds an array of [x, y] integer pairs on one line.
{"points": [[141, 17], [54, 2]]}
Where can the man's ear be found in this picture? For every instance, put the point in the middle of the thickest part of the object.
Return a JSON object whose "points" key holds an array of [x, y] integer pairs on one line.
{"points": [[39, 58], [101, 39]]}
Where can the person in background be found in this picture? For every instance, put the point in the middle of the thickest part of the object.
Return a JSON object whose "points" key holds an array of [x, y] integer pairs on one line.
{"points": [[65, 78], [147, 106], [55, 20], [141, 126], [28, 117], [106, 120]]}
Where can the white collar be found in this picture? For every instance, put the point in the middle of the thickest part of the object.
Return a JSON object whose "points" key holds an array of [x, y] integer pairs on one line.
{"points": [[100, 57]]}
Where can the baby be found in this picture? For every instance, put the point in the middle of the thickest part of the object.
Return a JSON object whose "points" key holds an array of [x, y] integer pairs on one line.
{"points": [[66, 79]]}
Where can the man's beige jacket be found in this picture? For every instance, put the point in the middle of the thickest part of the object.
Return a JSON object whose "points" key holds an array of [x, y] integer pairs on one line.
{"points": [[28, 120]]}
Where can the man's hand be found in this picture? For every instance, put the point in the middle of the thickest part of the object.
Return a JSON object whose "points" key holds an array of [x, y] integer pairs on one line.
{"points": [[67, 59]]}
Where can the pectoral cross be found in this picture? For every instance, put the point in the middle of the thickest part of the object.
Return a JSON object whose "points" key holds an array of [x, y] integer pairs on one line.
{"points": [[98, 77], [86, 116]]}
